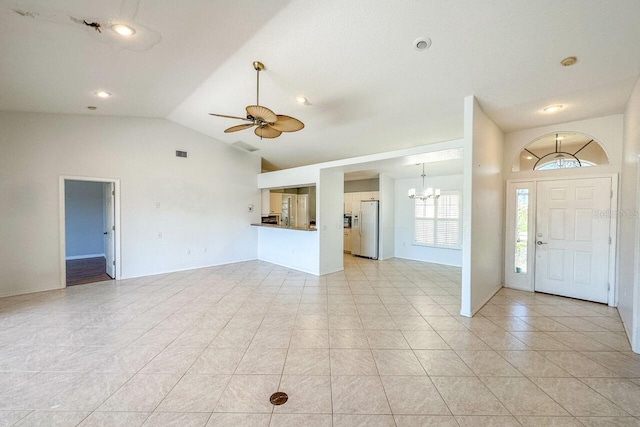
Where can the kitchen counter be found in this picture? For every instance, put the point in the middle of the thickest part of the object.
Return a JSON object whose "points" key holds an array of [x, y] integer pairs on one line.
{"points": [[284, 227]]}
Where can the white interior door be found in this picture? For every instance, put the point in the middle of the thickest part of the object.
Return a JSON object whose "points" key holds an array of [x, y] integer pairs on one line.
{"points": [[572, 238], [110, 225]]}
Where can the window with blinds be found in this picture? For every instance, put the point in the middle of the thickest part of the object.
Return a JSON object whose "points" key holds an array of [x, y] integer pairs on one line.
{"points": [[437, 221]]}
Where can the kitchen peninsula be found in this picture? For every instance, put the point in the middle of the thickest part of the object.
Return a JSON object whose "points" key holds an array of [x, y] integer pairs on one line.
{"points": [[287, 227]]}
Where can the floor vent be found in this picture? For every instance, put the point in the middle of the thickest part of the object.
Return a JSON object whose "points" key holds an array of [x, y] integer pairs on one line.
{"points": [[278, 398]]}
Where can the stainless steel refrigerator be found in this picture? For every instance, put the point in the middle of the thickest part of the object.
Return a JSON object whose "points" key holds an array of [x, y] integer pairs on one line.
{"points": [[365, 230]]}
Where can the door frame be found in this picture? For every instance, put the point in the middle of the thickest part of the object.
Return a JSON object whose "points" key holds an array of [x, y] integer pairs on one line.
{"points": [[62, 223], [527, 282]]}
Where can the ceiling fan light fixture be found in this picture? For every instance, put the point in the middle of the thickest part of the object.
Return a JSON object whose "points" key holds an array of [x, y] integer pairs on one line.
{"points": [[553, 108], [123, 29]]}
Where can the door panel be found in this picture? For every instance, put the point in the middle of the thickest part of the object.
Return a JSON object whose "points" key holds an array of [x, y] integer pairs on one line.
{"points": [[572, 244], [109, 241]]}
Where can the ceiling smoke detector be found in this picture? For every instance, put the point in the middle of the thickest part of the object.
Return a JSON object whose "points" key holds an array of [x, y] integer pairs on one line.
{"points": [[569, 61], [422, 43]]}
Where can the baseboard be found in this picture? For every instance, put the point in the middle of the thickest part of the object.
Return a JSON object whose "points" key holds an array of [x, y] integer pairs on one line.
{"points": [[28, 292], [422, 260], [518, 288], [329, 272], [84, 256], [288, 266], [486, 300], [188, 268]]}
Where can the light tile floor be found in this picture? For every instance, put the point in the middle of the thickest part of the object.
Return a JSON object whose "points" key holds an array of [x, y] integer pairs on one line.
{"points": [[380, 344]]}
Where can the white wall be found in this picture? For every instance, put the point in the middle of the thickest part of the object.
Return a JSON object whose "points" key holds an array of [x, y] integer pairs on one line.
{"points": [[629, 223], [84, 219], [387, 217], [330, 220], [202, 199], [289, 248], [404, 246], [483, 207]]}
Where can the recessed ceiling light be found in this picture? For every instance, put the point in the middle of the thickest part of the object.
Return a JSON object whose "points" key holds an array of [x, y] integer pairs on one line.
{"points": [[123, 30], [422, 43], [559, 138], [529, 157], [569, 61], [552, 108], [103, 94], [301, 99]]}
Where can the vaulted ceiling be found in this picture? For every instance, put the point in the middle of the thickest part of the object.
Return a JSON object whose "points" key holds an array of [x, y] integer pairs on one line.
{"points": [[369, 89]]}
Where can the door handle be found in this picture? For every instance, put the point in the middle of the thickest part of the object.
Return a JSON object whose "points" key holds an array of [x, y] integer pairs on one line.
{"points": [[540, 243], [105, 233]]}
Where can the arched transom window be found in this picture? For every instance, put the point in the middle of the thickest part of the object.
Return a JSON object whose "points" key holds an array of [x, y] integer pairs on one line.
{"points": [[560, 150]]}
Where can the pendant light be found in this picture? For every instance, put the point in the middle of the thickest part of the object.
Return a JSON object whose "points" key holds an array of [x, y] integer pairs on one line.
{"points": [[426, 192]]}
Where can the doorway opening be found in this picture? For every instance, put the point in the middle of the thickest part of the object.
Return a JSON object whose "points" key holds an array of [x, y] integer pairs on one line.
{"points": [[89, 233]]}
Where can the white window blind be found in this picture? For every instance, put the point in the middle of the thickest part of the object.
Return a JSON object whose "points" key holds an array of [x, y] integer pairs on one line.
{"points": [[437, 221]]}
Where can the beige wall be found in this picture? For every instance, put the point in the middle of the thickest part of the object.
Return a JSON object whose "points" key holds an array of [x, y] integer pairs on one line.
{"points": [[483, 207]]}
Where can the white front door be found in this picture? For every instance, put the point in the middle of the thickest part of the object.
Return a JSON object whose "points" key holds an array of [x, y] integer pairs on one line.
{"points": [[109, 225], [572, 238]]}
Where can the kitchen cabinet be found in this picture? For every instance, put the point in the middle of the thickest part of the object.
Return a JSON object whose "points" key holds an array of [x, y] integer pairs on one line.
{"points": [[265, 202], [352, 200], [348, 203], [347, 241], [275, 202], [370, 195]]}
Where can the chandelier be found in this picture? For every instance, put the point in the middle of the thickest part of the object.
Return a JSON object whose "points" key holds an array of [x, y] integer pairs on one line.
{"points": [[426, 193]]}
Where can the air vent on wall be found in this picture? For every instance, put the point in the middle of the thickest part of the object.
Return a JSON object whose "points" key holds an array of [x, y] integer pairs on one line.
{"points": [[181, 154], [244, 146]]}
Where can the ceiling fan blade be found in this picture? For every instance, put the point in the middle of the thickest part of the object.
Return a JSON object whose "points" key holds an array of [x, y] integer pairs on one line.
{"points": [[267, 132], [230, 117], [287, 124], [237, 128], [260, 112]]}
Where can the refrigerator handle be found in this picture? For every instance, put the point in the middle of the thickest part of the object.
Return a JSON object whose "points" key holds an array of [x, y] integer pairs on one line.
{"points": [[360, 228]]}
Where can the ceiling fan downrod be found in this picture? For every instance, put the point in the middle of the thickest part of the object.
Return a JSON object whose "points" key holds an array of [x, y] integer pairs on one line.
{"points": [[258, 66]]}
